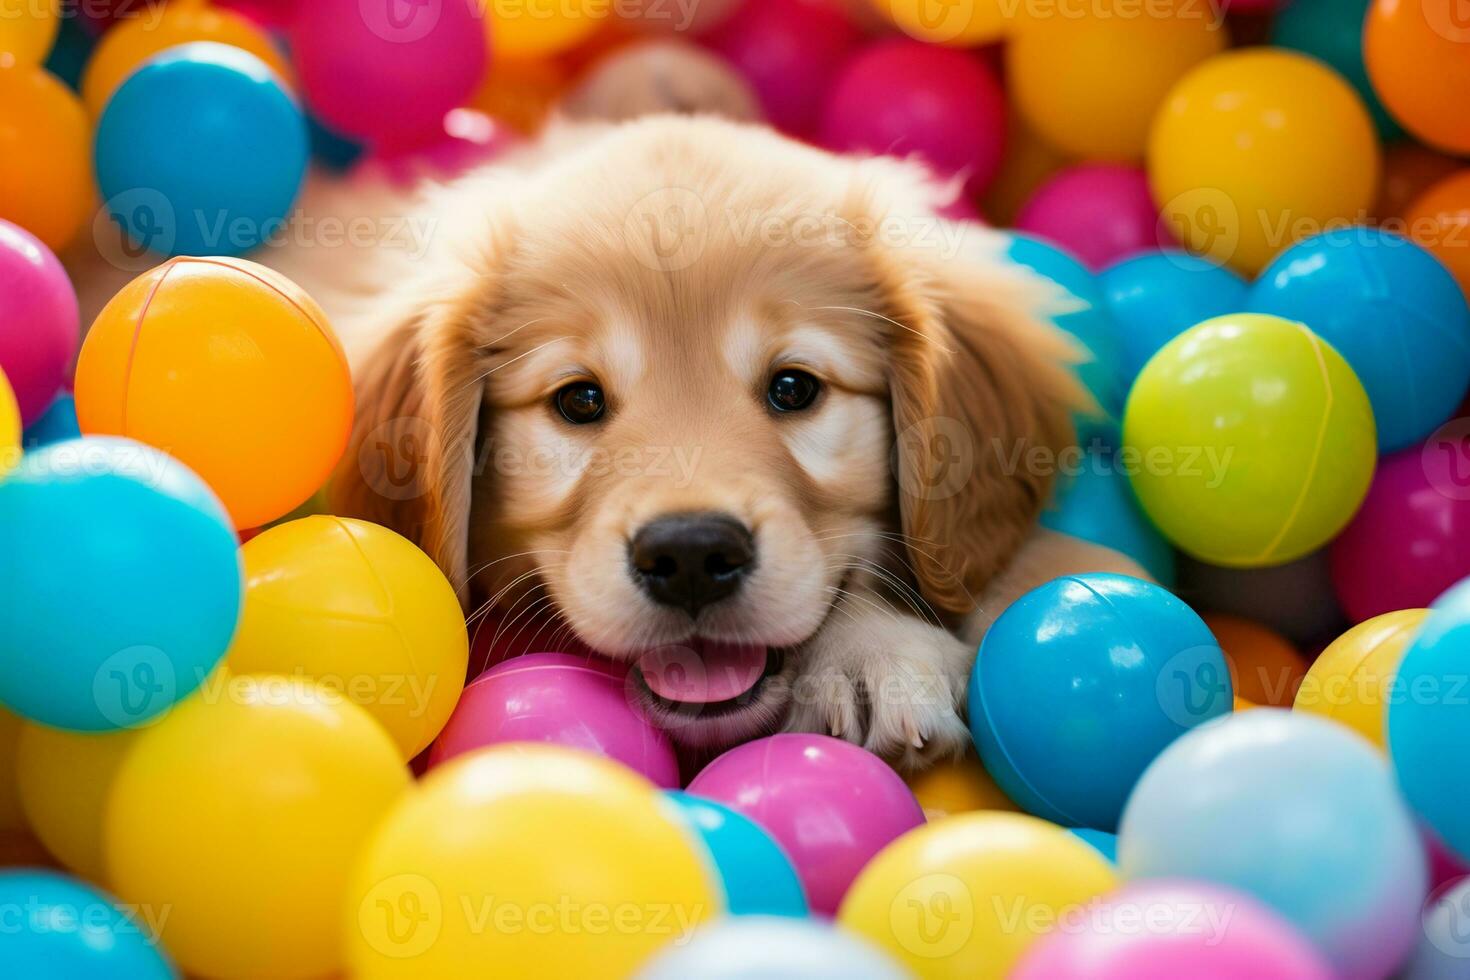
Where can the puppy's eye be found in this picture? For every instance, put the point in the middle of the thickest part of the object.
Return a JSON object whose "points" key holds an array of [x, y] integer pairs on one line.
{"points": [[580, 402], [792, 391]]}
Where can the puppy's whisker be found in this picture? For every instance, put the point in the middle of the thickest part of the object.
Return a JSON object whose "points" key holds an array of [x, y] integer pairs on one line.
{"points": [[509, 333], [887, 319], [505, 364]]}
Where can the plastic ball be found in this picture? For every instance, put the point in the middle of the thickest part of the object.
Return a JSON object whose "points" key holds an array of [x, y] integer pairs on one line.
{"points": [[57, 424], [1392, 310], [183, 177], [38, 320], [1332, 31], [361, 611], [1256, 439], [1100, 841], [941, 899], [526, 860], [829, 804], [126, 576], [136, 39], [1265, 669], [958, 786], [1439, 219], [28, 29], [1029, 673], [904, 98], [1229, 802], [1096, 503], [242, 815], [1294, 599], [1090, 85], [1256, 148], [1156, 930], [763, 947], [1444, 947], [163, 364], [1100, 212], [62, 929], [1161, 294], [10, 430], [539, 28], [520, 93], [1408, 171], [385, 77], [65, 779], [45, 155], [12, 813], [580, 702], [1353, 680], [962, 25], [1416, 59], [790, 51], [757, 875]]}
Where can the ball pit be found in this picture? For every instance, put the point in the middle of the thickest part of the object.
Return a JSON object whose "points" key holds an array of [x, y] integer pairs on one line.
{"points": [[1096, 504], [1405, 46], [1439, 219], [1099, 212], [756, 874], [264, 430], [758, 948], [39, 314], [1353, 680], [1229, 803], [1028, 674], [63, 928], [45, 153], [1225, 413], [830, 805]]}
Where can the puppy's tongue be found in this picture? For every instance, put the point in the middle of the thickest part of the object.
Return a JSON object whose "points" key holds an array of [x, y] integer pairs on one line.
{"points": [[702, 671]]}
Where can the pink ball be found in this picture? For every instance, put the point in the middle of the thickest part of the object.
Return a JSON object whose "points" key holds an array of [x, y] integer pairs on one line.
{"points": [[1407, 543], [38, 320], [790, 52], [1166, 929], [467, 139], [387, 79], [578, 702], [829, 804], [270, 13], [902, 97], [1445, 867], [1101, 212]]}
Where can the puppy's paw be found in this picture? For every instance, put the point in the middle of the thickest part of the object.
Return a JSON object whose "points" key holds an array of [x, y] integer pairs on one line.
{"points": [[888, 682]]}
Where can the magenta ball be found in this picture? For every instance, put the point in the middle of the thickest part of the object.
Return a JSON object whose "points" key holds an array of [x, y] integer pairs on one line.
{"points": [[38, 320], [562, 699], [1407, 543], [1100, 212], [789, 51], [905, 98], [1166, 929], [387, 72], [829, 804]]}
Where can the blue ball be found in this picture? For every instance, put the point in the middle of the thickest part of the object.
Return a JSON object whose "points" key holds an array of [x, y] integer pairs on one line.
{"points": [[1081, 683], [58, 928], [1332, 31], [201, 152], [1097, 504], [1392, 310], [1429, 724], [757, 875], [768, 948], [57, 423], [122, 584], [1088, 322], [1100, 841], [1157, 296], [1297, 811], [1444, 948]]}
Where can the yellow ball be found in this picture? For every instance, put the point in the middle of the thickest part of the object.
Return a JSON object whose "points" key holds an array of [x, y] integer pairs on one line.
{"points": [[1249, 440], [1351, 681], [958, 787], [12, 815], [65, 778], [536, 28], [360, 610], [964, 897], [28, 29], [962, 24], [242, 816], [10, 430], [1090, 85], [1257, 149], [520, 861]]}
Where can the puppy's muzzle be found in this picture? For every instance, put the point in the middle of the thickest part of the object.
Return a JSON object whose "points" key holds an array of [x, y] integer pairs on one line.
{"points": [[691, 560]]}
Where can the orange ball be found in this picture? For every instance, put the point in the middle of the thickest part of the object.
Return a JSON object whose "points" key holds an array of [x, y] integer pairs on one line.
{"points": [[1408, 171], [1439, 219], [45, 156], [135, 40], [1418, 57], [1265, 668], [229, 367], [520, 92]]}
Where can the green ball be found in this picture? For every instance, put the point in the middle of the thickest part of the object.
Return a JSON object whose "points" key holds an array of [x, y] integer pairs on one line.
{"points": [[1249, 440]]}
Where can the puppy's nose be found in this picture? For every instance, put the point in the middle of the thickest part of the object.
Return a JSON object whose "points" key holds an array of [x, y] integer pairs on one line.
{"points": [[692, 560]]}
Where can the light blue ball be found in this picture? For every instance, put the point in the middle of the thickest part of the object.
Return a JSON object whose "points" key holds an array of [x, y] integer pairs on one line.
{"points": [[1088, 322], [1298, 811], [1429, 722], [1081, 683], [1100, 841], [1444, 946], [122, 584], [57, 928], [1156, 296], [1332, 30], [754, 947], [1392, 310], [201, 151], [57, 423], [757, 875], [1096, 503]]}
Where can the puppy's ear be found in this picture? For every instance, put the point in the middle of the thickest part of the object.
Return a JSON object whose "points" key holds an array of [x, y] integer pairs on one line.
{"points": [[983, 395]]}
